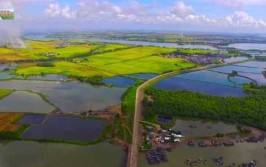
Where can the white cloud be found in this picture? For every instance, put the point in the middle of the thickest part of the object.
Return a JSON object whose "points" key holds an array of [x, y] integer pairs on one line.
{"points": [[238, 3], [97, 10], [6, 4], [243, 19], [181, 10], [55, 10], [105, 12]]}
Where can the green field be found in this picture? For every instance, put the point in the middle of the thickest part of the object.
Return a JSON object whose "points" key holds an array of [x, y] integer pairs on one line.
{"points": [[106, 61], [4, 93]]}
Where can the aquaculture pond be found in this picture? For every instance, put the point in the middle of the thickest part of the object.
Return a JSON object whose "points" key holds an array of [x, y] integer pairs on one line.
{"points": [[255, 52], [65, 128], [251, 70], [176, 83], [248, 46], [235, 59], [74, 97], [33, 154], [49, 77], [4, 67], [168, 45], [217, 81], [190, 127], [240, 80], [256, 64], [207, 76], [144, 76], [240, 153], [237, 68], [259, 78], [5, 75], [119, 81], [32, 119], [20, 101]]}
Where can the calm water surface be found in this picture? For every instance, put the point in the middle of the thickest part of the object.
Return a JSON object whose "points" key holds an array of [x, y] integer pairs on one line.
{"points": [[49, 77], [216, 81], [240, 153], [70, 96], [256, 64], [240, 80], [119, 81], [248, 46], [235, 59], [33, 154], [202, 128], [32, 119], [58, 127], [175, 83], [144, 76], [142, 43], [20, 101], [5, 75]]}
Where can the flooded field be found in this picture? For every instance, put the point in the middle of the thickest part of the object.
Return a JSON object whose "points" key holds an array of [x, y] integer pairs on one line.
{"points": [[142, 43], [234, 59], [194, 128], [66, 128], [237, 68], [256, 64], [207, 76], [119, 81], [50, 77], [240, 153], [252, 70], [239, 80], [32, 119], [20, 101], [248, 46], [33, 154], [217, 81], [175, 83], [5, 75], [74, 97]]}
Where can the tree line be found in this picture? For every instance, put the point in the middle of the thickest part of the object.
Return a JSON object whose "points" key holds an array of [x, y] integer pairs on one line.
{"points": [[249, 110]]}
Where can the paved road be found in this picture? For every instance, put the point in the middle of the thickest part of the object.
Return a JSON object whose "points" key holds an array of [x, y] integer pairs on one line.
{"points": [[133, 150]]}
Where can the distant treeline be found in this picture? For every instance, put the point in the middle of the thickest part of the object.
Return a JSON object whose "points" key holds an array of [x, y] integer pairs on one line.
{"points": [[249, 110]]}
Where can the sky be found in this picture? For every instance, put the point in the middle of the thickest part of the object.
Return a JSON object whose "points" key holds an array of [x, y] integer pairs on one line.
{"points": [[233, 16]]}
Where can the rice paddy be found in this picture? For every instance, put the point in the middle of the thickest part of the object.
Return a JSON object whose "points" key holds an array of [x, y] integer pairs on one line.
{"points": [[108, 60]]}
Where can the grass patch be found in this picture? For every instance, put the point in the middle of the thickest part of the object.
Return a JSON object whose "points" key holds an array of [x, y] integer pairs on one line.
{"points": [[4, 93], [119, 62], [8, 127]]}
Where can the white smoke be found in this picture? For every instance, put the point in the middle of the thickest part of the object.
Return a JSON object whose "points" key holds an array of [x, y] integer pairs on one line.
{"points": [[10, 32]]}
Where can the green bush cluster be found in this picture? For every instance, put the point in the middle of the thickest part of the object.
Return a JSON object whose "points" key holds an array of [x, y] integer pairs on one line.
{"points": [[249, 110]]}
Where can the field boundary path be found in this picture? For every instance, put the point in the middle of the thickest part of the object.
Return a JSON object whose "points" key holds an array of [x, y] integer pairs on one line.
{"points": [[133, 148]]}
